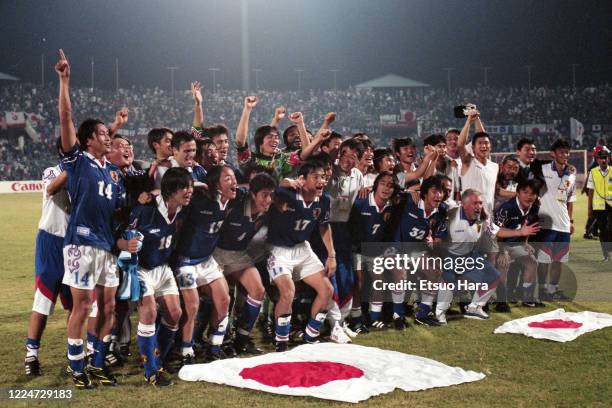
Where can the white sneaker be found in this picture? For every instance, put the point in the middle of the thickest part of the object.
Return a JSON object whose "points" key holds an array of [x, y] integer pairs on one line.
{"points": [[441, 317], [475, 312], [348, 331], [339, 336]]}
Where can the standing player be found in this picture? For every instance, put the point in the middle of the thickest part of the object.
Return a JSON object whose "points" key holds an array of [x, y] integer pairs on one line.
{"points": [[96, 192], [49, 262], [196, 269], [600, 200], [556, 219], [247, 216], [183, 155], [295, 215]]}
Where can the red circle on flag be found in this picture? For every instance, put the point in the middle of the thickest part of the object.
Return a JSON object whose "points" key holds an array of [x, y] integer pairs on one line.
{"points": [[556, 324], [300, 373]]}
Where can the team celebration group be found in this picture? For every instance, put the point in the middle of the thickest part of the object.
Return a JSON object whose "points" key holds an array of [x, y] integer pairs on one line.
{"points": [[195, 241]]}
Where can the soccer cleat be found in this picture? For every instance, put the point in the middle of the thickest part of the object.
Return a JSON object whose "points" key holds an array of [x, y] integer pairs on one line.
{"points": [[348, 330], [247, 346], [101, 375], [81, 380], [282, 346], [214, 356], [475, 312], [229, 350], [441, 318], [113, 359], [502, 307], [159, 379], [399, 323], [188, 359], [124, 351], [359, 327], [268, 330], [428, 320], [559, 296], [378, 324], [339, 336], [32, 366]]}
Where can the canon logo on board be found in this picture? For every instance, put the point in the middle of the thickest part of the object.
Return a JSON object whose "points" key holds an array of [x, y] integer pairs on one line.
{"points": [[21, 186]]}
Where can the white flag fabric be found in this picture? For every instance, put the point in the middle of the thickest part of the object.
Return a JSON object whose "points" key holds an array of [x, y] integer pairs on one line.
{"points": [[557, 325], [576, 130], [339, 372]]}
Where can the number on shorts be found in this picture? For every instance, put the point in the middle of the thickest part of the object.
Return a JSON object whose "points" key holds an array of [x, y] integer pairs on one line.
{"points": [[187, 280], [165, 242], [300, 225], [84, 281]]}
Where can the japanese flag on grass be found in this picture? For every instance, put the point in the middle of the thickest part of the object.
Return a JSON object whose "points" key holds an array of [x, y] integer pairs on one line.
{"points": [[340, 372], [557, 325]]}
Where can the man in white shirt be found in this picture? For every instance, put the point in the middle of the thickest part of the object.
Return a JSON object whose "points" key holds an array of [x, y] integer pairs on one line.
{"points": [[556, 219]]}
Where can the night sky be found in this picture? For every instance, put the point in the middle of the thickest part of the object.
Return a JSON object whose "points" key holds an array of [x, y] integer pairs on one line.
{"points": [[362, 38]]}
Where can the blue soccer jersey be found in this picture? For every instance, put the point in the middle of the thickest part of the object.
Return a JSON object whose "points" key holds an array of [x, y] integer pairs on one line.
{"points": [[368, 222], [198, 173], [96, 191], [415, 226], [292, 221], [200, 234], [159, 231], [239, 226], [510, 215]]}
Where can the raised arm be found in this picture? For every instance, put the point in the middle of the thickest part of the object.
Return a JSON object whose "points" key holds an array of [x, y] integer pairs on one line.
{"points": [[427, 166], [298, 120], [198, 112], [243, 125], [279, 114], [121, 118], [466, 157], [319, 138], [67, 130]]}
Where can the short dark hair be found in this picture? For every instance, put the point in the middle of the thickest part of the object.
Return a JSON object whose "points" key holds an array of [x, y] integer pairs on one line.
{"points": [[175, 179], [399, 143], [434, 140], [534, 184], [86, 130], [429, 183], [156, 135], [212, 180], [353, 144], [382, 174], [254, 168], [510, 157], [334, 135], [261, 133], [202, 144], [286, 134], [180, 137], [479, 135], [261, 181], [309, 166], [524, 141], [452, 130], [379, 155], [321, 157], [560, 144], [214, 131], [366, 143]]}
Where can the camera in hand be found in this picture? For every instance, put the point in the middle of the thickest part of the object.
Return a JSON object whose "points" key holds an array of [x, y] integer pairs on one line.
{"points": [[462, 111]]}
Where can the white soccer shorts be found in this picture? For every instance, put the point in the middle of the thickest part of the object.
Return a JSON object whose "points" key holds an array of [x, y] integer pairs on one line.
{"points": [[299, 262], [194, 276], [86, 266], [158, 281]]}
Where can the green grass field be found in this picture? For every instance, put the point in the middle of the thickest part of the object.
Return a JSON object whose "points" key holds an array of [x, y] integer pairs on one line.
{"points": [[520, 371]]}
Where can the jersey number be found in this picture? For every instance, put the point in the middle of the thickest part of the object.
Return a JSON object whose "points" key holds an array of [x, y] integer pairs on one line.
{"points": [[241, 237], [105, 190], [375, 228], [165, 242], [417, 233], [300, 225], [215, 227]]}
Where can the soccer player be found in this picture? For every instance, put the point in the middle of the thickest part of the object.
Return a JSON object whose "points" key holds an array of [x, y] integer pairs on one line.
{"points": [[409, 174], [466, 225], [368, 223], [183, 155], [512, 215], [599, 184], [160, 143], [444, 166], [507, 180], [557, 204], [159, 222], [95, 191], [206, 153], [247, 216], [422, 219], [49, 262], [295, 214], [196, 270]]}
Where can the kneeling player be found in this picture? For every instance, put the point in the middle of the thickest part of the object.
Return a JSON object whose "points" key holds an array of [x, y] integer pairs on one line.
{"points": [[159, 222], [295, 214], [247, 216]]}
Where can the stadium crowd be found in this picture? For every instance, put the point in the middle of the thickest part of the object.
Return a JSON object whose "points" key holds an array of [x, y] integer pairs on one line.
{"points": [[358, 110], [285, 228]]}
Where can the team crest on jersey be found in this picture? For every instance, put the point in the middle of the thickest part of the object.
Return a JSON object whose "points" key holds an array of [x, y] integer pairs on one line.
{"points": [[133, 224], [115, 176], [316, 213], [478, 228], [567, 183]]}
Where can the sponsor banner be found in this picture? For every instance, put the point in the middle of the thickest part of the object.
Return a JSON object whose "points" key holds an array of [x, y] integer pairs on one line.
{"points": [[499, 129], [21, 186], [15, 119], [388, 119]]}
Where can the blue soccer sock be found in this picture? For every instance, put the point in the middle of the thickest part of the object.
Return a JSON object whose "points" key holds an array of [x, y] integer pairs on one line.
{"points": [[101, 347], [375, 310], [92, 339], [32, 347], [216, 338], [283, 327], [76, 356], [165, 339], [314, 327], [146, 343], [398, 304], [250, 311]]}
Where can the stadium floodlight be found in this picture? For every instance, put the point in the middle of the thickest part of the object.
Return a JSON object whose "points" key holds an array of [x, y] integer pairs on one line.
{"points": [[299, 78], [335, 72], [529, 67], [172, 69], [214, 82], [448, 78], [256, 71]]}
